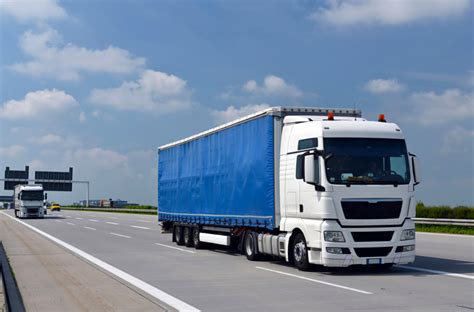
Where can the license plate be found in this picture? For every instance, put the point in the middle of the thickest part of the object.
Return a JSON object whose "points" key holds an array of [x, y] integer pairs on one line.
{"points": [[374, 261]]}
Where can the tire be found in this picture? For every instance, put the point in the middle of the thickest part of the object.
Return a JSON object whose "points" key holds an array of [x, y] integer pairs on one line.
{"points": [[196, 242], [188, 236], [178, 235], [250, 246], [300, 253]]}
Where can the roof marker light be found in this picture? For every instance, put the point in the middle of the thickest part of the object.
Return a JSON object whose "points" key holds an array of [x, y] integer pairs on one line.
{"points": [[382, 118], [330, 115]]}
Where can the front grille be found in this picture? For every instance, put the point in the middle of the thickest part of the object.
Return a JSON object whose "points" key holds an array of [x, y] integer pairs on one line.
{"points": [[32, 210], [368, 210], [384, 236], [373, 252]]}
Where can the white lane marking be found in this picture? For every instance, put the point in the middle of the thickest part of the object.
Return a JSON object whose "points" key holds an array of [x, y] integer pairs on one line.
{"points": [[153, 291], [316, 281], [172, 247], [70, 223], [471, 277], [58, 220], [445, 234], [93, 220], [79, 218], [113, 223], [86, 227], [140, 227], [116, 234], [143, 221]]}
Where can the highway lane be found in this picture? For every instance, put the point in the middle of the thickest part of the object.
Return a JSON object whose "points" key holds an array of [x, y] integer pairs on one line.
{"points": [[220, 280]]}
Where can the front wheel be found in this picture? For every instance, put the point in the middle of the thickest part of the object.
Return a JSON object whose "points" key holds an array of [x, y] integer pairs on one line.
{"points": [[300, 253]]}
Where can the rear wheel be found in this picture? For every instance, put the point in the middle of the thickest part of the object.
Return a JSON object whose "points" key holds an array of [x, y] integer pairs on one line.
{"points": [[196, 241], [300, 253], [250, 246], [188, 236], [178, 235]]}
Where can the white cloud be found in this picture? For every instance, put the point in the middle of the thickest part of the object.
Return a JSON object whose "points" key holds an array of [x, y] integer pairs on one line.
{"points": [[37, 10], [97, 159], [154, 91], [37, 103], [232, 113], [272, 86], [458, 140], [67, 62], [11, 151], [387, 12], [82, 117], [48, 139], [451, 105], [378, 86]]}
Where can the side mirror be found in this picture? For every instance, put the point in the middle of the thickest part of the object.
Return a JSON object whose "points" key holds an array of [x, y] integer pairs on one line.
{"points": [[415, 164], [311, 171], [45, 196], [18, 196]]}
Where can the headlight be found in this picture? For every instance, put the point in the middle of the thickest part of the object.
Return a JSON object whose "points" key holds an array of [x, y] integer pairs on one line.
{"points": [[407, 235], [334, 236]]}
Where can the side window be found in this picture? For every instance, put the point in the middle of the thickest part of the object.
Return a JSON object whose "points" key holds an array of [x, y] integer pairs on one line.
{"points": [[307, 143], [300, 166]]}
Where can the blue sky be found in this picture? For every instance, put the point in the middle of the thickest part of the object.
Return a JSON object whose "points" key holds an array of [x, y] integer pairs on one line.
{"points": [[99, 85]]}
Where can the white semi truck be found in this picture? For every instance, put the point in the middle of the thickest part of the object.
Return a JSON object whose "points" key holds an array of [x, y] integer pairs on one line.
{"points": [[29, 201], [309, 185]]}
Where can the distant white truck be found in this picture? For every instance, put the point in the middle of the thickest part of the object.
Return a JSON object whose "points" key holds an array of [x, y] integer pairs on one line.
{"points": [[29, 201]]}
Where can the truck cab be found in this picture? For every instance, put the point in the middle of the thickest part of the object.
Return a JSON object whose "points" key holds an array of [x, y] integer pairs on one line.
{"points": [[29, 201], [347, 185]]}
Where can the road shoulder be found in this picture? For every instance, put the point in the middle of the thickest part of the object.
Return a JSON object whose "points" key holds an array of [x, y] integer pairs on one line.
{"points": [[52, 279]]}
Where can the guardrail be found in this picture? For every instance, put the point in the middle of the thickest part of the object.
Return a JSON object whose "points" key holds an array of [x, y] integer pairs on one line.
{"points": [[149, 211], [13, 300], [458, 222]]}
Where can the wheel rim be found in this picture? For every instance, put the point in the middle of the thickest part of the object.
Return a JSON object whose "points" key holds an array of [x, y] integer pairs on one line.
{"points": [[249, 245], [298, 251], [196, 237], [186, 234], [178, 234]]}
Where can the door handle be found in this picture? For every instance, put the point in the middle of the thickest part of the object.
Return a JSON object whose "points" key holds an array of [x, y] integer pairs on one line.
{"points": [[301, 208]]}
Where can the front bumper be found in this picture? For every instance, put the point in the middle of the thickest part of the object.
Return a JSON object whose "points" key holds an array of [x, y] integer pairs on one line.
{"points": [[374, 252]]}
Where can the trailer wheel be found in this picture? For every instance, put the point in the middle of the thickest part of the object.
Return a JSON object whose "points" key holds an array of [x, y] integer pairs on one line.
{"points": [[300, 253], [188, 236], [178, 235], [196, 242], [250, 246]]}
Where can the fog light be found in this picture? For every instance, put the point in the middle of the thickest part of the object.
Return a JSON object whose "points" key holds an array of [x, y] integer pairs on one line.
{"points": [[338, 250], [406, 248]]}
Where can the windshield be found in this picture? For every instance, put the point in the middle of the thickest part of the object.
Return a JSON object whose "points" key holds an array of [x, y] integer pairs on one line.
{"points": [[32, 195], [366, 161]]}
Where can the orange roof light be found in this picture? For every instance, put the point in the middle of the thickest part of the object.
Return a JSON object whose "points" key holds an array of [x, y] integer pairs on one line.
{"points": [[330, 115], [382, 118]]}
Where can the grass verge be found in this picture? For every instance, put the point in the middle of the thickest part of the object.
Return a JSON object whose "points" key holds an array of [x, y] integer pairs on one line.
{"points": [[449, 229]]}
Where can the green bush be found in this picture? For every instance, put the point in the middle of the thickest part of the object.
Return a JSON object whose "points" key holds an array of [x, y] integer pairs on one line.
{"points": [[140, 207], [444, 212]]}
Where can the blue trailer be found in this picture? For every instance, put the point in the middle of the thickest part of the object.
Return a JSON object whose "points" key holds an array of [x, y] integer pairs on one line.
{"points": [[225, 178]]}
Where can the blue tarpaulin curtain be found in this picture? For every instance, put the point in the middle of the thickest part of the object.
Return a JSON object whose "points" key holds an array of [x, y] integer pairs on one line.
{"points": [[224, 178]]}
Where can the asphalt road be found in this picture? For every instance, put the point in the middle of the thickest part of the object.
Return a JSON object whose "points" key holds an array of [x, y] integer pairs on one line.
{"points": [[442, 279]]}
